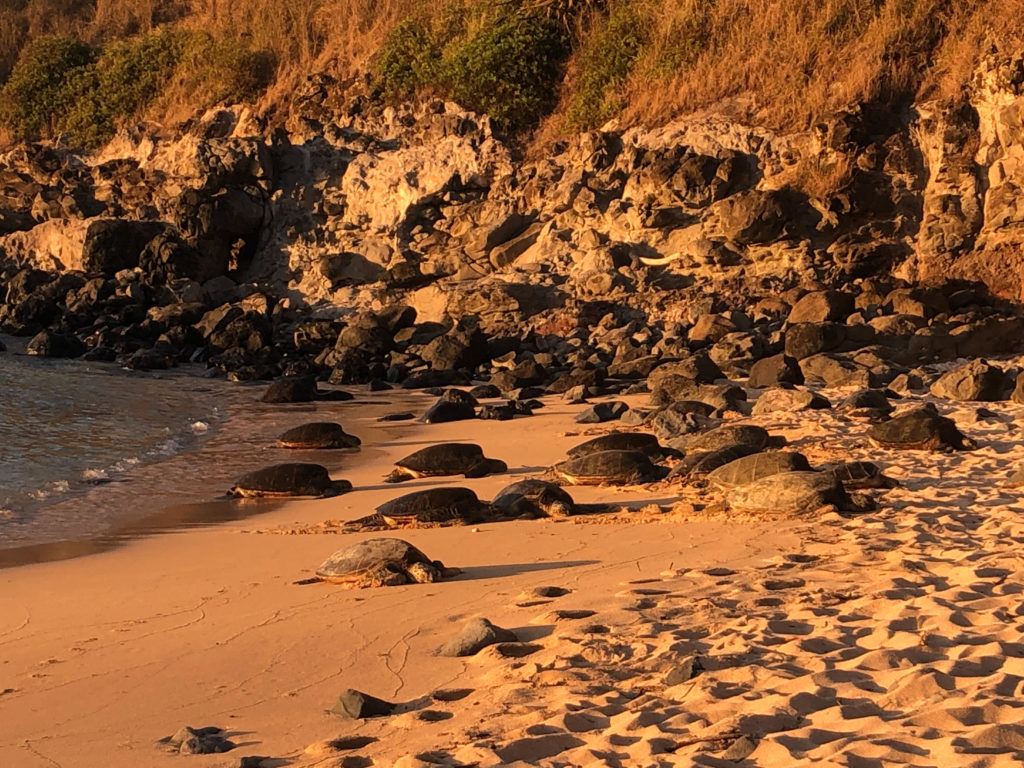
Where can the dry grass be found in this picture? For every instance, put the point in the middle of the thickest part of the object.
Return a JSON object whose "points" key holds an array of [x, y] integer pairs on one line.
{"points": [[782, 64]]}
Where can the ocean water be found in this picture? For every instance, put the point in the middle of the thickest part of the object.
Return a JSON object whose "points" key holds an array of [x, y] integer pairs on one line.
{"points": [[68, 429]]}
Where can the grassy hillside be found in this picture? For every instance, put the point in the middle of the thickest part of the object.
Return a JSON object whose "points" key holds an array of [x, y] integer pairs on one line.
{"points": [[79, 67]]}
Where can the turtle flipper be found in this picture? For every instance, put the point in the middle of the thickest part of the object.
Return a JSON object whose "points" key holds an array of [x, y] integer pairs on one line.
{"points": [[398, 475], [374, 522]]}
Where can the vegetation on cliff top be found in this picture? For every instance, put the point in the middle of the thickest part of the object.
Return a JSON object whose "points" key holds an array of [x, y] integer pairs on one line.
{"points": [[82, 66]]}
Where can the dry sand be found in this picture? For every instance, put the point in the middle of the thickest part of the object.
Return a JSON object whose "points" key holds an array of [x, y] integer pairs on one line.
{"points": [[892, 638]]}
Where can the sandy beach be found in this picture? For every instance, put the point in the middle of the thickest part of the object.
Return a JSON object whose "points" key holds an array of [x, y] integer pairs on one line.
{"points": [[889, 638]]}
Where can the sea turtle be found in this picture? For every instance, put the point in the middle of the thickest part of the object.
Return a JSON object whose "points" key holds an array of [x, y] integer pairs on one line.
{"points": [[860, 474], [433, 506], [921, 429], [318, 435], [283, 480], [445, 459], [381, 563], [752, 468], [868, 403], [723, 437], [790, 493], [610, 467], [453, 405], [536, 498], [621, 441], [700, 463]]}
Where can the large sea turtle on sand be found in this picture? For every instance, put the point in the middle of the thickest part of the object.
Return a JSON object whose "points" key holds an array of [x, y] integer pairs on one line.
{"points": [[621, 441], [921, 429], [750, 469], [319, 435], [382, 563], [445, 459], [433, 506], [723, 437], [790, 493], [285, 480], [860, 474], [700, 463], [536, 498], [610, 468]]}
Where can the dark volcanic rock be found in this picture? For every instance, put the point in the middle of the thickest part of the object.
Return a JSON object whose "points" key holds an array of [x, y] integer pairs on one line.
{"points": [[475, 635], [976, 380], [775, 370], [54, 344], [356, 705], [300, 389]]}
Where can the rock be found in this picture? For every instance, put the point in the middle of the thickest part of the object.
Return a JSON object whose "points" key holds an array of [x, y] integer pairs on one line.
{"points": [[356, 705], [684, 671], [681, 418], [475, 635], [740, 749], [821, 307], [53, 344], [453, 405], [752, 216], [976, 380], [775, 370], [112, 245], [788, 401], [806, 339], [836, 371], [299, 389], [199, 741], [602, 412]]}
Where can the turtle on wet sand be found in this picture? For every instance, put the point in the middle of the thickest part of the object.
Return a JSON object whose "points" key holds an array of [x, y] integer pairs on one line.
{"points": [[286, 480], [621, 441], [860, 474], [319, 435], [790, 493], [610, 468], [750, 469], [534, 498], [446, 459], [381, 563], [920, 429], [433, 506]]}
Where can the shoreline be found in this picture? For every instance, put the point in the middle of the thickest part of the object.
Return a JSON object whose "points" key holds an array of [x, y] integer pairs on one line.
{"points": [[212, 593]]}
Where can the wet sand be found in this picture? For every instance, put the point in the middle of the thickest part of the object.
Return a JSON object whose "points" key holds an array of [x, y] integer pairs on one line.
{"points": [[892, 638]]}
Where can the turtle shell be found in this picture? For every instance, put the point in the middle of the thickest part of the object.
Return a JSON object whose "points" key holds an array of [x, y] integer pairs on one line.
{"points": [[619, 441], [434, 505], [533, 497], [701, 463], [789, 493], [750, 469], [290, 480], [860, 474], [443, 459], [919, 429], [319, 435], [726, 436], [612, 467], [375, 562]]}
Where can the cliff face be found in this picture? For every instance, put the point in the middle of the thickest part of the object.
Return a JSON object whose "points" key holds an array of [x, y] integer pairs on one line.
{"points": [[347, 210]]}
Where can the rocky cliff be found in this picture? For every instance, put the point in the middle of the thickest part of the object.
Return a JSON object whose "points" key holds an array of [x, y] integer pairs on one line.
{"points": [[347, 212]]}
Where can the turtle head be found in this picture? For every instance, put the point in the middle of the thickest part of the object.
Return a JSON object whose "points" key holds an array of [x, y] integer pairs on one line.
{"points": [[338, 487], [488, 467], [558, 508], [397, 475]]}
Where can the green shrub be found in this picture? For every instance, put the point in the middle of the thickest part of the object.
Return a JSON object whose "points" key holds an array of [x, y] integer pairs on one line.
{"points": [[228, 69], [126, 78], [605, 62], [508, 68], [43, 84], [408, 60]]}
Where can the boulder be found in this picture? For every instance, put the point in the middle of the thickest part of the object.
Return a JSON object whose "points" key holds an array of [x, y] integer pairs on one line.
{"points": [[775, 370], [821, 307], [475, 635], [976, 380]]}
